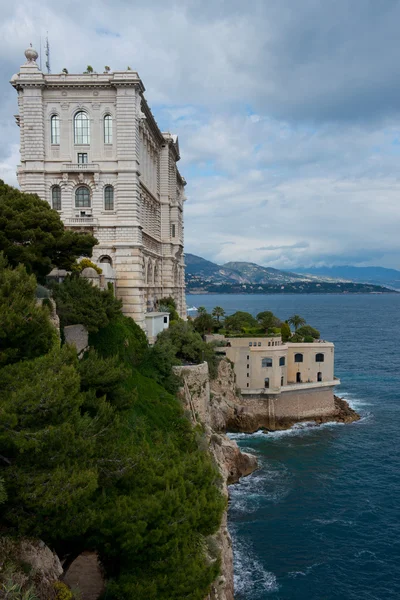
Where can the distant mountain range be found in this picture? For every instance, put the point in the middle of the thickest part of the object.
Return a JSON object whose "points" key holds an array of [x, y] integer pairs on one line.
{"points": [[238, 272], [204, 275], [375, 275]]}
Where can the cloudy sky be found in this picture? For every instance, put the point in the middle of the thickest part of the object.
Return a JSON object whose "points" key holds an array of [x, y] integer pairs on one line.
{"points": [[287, 111]]}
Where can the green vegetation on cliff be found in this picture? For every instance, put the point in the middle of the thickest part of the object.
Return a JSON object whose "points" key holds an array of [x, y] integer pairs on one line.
{"points": [[97, 454], [32, 233]]}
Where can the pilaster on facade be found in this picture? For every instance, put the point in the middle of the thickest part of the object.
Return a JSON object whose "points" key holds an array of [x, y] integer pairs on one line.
{"points": [[91, 147]]}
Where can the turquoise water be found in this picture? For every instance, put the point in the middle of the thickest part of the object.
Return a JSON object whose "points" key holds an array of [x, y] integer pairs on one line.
{"points": [[320, 519]]}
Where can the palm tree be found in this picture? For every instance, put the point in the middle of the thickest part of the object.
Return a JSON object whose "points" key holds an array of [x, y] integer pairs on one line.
{"points": [[201, 311], [218, 312], [296, 321]]}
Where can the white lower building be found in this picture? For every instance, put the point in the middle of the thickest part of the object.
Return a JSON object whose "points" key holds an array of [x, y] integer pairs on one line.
{"points": [[91, 147]]}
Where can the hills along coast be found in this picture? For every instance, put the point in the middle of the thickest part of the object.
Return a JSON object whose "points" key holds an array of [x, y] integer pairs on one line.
{"points": [[206, 277]]}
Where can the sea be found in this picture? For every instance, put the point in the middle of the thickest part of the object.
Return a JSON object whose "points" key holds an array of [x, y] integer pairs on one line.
{"points": [[320, 518]]}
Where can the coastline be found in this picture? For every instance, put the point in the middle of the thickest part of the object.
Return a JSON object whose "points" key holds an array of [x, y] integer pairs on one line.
{"points": [[216, 404]]}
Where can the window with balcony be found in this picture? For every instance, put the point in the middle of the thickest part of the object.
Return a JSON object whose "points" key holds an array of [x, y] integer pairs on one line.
{"points": [[81, 128], [319, 357], [109, 197], [298, 358], [82, 158], [56, 197], [55, 129], [282, 361], [108, 129], [82, 197], [266, 362]]}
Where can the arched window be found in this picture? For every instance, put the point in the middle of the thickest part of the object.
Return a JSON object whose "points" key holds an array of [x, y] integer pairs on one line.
{"points": [[266, 362], [56, 197], [109, 197], [282, 361], [298, 358], [319, 376], [108, 129], [319, 357], [55, 129], [266, 382], [81, 128], [282, 381], [106, 260], [82, 197]]}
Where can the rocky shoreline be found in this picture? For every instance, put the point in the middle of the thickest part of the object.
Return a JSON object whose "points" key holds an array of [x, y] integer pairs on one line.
{"points": [[218, 405], [242, 422]]}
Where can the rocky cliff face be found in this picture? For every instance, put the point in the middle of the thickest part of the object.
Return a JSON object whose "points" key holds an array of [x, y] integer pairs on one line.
{"points": [[231, 462]]}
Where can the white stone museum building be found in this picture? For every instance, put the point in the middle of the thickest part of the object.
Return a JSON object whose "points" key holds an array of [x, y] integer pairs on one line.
{"points": [[91, 147]]}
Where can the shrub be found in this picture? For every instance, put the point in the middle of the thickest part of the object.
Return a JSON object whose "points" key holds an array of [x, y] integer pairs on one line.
{"points": [[78, 301], [121, 337], [62, 591]]}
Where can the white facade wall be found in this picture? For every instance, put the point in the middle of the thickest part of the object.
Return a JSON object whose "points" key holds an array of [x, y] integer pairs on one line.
{"points": [[136, 236]]}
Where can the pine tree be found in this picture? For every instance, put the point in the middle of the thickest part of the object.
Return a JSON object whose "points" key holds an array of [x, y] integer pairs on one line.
{"points": [[25, 330], [33, 234]]}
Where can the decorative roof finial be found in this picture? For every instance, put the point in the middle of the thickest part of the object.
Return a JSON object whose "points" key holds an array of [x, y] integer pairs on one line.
{"points": [[31, 54]]}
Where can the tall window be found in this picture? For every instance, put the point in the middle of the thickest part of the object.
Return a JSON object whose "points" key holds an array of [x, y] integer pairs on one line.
{"points": [[282, 361], [108, 129], [266, 362], [173, 230], [319, 357], [109, 197], [82, 197], [55, 129], [81, 128], [56, 197], [298, 358]]}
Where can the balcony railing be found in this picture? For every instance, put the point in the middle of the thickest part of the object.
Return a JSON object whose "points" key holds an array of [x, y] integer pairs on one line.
{"points": [[81, 221], [87, 167]]}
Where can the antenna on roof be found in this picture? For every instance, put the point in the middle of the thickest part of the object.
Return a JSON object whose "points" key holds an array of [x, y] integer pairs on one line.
{"points": [[47, 52]]}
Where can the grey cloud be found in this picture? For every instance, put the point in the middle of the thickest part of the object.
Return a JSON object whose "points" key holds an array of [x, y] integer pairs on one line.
{"points": [[288, 246], [312, 176]]}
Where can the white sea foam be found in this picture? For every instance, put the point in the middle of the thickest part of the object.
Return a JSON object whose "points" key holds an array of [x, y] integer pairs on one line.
{"points": [[355, 402], [250, 576], [264, 485], [241, 436], [300, 429], [294, 574]]}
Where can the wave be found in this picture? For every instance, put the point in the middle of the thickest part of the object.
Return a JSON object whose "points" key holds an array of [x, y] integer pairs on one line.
{"points": [[264, 485], [294, 574], [241, 436], [355, 402], [332, 521], [250, 577]]}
